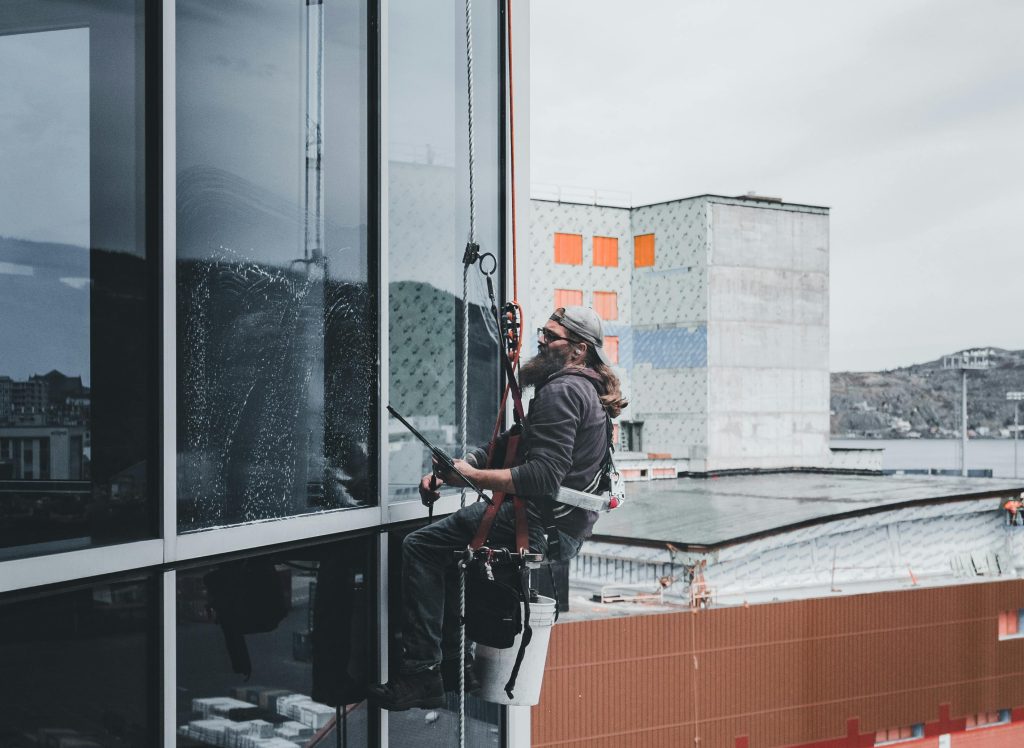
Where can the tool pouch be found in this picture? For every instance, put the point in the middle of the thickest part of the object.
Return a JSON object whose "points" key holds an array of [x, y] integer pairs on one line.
{"points": [[494, 599]]}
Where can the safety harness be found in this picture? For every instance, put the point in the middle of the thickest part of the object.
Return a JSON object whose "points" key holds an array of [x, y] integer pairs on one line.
{"points": [[492, 614]]}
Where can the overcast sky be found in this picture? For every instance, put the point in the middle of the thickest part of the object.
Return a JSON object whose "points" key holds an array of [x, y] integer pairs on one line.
{"points": [[905, 118]]}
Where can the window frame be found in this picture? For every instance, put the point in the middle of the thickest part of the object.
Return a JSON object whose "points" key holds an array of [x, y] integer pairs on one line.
{"points": [[148, 235]]}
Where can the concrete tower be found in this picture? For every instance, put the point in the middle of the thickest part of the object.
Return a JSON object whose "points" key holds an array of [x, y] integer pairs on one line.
{"points": [[718, 307]]}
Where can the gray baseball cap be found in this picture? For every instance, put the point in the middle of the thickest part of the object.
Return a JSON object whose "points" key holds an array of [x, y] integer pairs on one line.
{"points": [[583, 322]]}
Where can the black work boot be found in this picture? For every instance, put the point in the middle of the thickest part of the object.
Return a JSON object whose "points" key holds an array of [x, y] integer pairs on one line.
{"points": [[450, 676], [422, 690]]}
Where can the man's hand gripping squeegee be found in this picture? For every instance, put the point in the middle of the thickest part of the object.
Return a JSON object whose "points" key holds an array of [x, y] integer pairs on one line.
{"points": [[440, 456]]}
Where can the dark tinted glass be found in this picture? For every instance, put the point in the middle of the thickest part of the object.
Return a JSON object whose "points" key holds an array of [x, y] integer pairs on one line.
{"points": [[483, 719], [301, 624], [429, 220], [77, 309], [80, 668], [276, 323]]}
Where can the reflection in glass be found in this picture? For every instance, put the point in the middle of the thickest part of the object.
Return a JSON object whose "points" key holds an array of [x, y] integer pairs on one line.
{"points": [[276, 322], [483, 719], [429, 226], [277, 646], [76, 312], [78, 668]]}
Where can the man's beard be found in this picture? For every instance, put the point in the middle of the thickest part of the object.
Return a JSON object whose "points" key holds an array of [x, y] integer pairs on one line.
{"points": [[540, 367]]}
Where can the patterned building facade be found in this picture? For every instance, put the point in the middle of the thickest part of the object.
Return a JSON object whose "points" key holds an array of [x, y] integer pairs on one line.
{"points": [[718, 318]]}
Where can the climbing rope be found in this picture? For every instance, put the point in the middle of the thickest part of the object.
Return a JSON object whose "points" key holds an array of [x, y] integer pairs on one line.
{"points": [[513, 311]]}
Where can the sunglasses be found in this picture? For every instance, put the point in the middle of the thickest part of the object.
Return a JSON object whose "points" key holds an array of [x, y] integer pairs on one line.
{"points": [[545, 335]]}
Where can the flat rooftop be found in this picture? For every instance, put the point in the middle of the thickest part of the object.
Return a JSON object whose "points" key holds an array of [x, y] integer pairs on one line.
{"points": [[701, 514]]}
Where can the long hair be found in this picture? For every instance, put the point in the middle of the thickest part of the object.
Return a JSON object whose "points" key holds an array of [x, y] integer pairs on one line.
{"points": [[612, 399]]}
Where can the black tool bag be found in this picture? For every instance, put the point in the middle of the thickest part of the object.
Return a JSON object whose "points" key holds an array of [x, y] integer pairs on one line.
{"points": [[494, 615], [498, 601]]}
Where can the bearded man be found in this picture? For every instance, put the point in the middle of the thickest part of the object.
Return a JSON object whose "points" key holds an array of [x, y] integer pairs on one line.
{"points": [[564, 443]]}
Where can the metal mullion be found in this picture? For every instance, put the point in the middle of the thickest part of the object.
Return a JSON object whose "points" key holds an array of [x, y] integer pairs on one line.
{"points": [[412, 510], [169, 657], [379, 174], [55, 568], [383, 623], [256, 535], [379, 171], [379, 179], [169, 380]]}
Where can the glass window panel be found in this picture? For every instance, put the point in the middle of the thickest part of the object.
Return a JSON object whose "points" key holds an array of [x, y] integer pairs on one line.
{"points": [[80, 667], [483, 719], [302, 623], [78, 337], [276, 321], [429, 226]]}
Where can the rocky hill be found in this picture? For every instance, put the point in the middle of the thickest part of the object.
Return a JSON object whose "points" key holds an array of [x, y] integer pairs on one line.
{"points": [[923, 400]]}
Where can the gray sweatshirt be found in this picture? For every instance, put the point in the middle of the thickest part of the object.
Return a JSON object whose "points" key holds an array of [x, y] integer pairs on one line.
{"points": [[564, 444]]}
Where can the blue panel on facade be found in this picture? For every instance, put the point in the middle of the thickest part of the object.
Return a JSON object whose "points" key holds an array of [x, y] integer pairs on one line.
{"points": [[673, 348]]}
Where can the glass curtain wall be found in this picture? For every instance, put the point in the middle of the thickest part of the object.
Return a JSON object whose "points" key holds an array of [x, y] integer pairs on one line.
{"points": [[277, 338], [77, 270], [278, 646], [81, 666], [276, 354], [429, 225]]}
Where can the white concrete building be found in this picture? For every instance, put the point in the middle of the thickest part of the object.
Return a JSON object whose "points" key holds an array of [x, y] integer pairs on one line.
{"points": [[717, 308]]}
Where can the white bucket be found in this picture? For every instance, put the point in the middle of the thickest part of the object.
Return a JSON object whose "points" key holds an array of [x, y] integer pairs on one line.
{"points": [[494, 666]]}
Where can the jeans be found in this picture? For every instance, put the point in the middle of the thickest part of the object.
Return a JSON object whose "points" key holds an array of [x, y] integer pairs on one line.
{"points": [[430, 577]]}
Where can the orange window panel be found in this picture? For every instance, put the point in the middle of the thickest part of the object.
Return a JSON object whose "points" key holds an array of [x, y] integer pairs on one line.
{"points": [[631, 473], [664, 472], [568, 297], [569, 249], [606, 251], [643, 251], [611, 349], [606, 304], [1009, 623]]}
